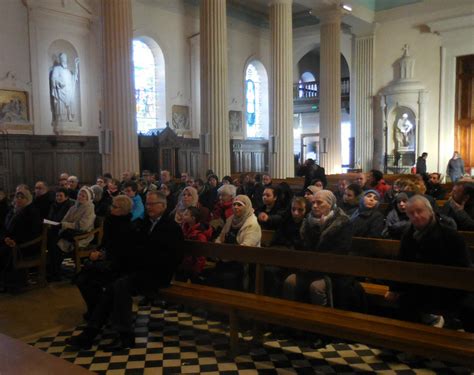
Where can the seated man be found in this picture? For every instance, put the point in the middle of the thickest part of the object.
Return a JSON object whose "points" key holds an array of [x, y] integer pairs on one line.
{"points": [[377, 183], [434, 186], [460, 206], [157, 254], [429, 241], [22, 224]]}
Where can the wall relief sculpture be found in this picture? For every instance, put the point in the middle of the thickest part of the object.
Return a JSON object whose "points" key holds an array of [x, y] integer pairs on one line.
{"points": [[62, 81]]}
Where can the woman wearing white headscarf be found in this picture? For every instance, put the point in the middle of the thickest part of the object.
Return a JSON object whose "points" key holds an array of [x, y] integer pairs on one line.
{"points": [[79, 219], [188, 198], [241, 228]]}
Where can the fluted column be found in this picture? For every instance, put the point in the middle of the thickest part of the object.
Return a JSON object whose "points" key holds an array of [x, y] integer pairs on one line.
{"points": [[363, 93], [119, 101], [281, 88], [330, 91], [215, 139]]}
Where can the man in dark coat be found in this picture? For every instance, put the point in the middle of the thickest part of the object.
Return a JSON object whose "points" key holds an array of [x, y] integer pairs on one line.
{"points": [[22, 224], [434, 187], [43, 198], [429, 241], [158, 252], [460, 206], [312, 171]]}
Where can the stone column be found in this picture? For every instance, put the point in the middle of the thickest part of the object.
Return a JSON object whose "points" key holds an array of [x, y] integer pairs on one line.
{"points": [[330, 91], [281, 90], [119, 99], [215, 139], [363, 80]]}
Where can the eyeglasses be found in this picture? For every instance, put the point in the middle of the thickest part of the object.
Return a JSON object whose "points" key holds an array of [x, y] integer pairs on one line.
{"points": [[153, 203]]}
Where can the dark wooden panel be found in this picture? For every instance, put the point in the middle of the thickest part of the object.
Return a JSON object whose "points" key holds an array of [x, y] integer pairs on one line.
{"points": [[18, 172], [69, 162], [194, 164], [43, 166], [92, 165]]}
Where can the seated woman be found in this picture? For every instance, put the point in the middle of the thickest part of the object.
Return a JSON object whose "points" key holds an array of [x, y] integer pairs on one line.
{"points": [[397, 220], [271, 214], [113, 257], [223, 208], [57, 212], [428, 240], [326, 229], [309, 193], [368, 221], [79, 219], [350, 199], [241, 228], [22, 224], [289, 232], [196, 230], [111, 191], [188, 198]]}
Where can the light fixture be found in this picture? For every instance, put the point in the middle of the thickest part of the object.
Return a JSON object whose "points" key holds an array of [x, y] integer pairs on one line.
{"points": [[347, 7]]}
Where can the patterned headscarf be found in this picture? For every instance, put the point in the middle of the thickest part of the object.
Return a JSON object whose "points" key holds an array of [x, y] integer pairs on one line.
{"points": [[245, 201]]}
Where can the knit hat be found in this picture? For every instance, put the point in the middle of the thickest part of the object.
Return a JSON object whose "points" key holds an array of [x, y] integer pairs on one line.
{"points": [[362, 206], [401, 197]]}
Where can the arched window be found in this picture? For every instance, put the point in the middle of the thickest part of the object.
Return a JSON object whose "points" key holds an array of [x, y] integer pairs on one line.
{"points": [[149, 74], [256, 100]]}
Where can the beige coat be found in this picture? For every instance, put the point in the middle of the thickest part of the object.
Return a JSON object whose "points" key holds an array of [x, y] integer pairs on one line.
{"points": [[249, 234]]}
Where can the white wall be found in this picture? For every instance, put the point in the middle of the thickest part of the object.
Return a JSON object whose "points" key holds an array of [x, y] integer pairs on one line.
{"points": [[171, 25], [408, 25]]}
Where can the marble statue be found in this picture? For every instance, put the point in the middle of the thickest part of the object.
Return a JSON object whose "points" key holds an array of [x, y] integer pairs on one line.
{"points": [[405, 131], [63, 89]]}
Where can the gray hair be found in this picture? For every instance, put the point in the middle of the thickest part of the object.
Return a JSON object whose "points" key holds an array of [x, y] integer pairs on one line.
{"points": [[159, 195], [423, 200], [227, 189]]}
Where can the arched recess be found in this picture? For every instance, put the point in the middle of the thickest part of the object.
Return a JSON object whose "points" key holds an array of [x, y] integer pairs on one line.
{"points": [[256, 101], [150, 84]]}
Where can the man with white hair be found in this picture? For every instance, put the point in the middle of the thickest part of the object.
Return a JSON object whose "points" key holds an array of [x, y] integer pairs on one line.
{"points": [[430, 240]]}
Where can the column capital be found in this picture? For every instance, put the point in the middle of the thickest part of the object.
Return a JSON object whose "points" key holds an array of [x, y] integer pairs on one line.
{"points": [[276, 2], [329, 15]]}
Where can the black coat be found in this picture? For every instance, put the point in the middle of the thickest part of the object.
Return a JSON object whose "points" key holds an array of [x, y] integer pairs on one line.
{"points": [[43, 203], [120, 236], [158, 253], [57, 210], [23, 226], [289, 235], [275, 217], [420, 165], [368, 224]]}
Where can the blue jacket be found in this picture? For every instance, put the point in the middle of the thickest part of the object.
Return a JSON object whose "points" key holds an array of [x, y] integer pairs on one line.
{"points": [[138, 210]]}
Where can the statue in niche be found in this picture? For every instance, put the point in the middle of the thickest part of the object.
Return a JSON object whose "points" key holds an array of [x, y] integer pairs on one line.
{"points": [[405, 132], [63, 89]]}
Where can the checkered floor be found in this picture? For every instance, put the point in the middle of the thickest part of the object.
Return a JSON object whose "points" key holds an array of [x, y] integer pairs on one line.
{"points": [[177, 342]]}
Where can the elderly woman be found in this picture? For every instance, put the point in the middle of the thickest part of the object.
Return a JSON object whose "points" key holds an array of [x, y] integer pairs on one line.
{"points": [[430, 240], [242, 229], [188, 198], [223, 208], [79, 219], [368, 221], [22, 224], [397, 220], [113, 257], [326, 229]]}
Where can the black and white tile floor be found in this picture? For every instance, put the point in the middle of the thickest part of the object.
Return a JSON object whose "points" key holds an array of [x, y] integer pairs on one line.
{"points": [[175, 342]]}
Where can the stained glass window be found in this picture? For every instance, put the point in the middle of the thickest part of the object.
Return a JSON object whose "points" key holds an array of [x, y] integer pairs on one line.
{"points": [[145, 87], [256, 100]]}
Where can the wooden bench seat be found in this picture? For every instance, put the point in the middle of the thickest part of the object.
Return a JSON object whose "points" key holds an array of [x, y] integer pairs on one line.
{"points": [[19, 358], [409, 337]]}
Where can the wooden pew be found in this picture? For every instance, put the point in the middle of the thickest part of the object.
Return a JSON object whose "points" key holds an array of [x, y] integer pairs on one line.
{"points": [[22, 260], [19, 358], [415, 338]]}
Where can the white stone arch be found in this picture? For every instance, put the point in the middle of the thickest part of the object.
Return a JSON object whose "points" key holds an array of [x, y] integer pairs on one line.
{"points": [[160, 77], [264, 106]]}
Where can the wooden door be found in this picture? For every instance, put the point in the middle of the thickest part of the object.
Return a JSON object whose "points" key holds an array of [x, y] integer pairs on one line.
{"points": [[464, 125]]}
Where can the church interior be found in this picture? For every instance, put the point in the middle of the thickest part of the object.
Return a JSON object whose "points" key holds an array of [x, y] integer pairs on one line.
{"points": [[173, 91]]}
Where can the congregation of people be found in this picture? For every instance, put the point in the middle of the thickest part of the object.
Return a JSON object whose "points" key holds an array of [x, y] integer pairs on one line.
{"points": [[146, 218]]}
